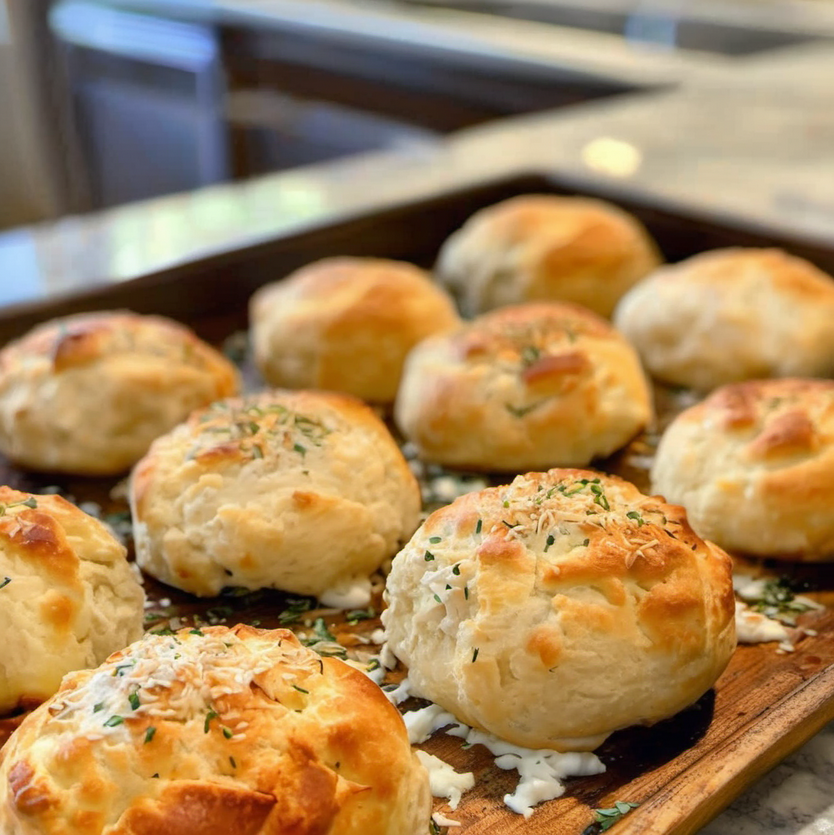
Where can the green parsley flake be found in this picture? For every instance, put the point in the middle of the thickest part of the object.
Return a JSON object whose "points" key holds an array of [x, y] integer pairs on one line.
{"points": [[113, 721], [149, 734], [606, 818], [133, 698], [212, 714]]}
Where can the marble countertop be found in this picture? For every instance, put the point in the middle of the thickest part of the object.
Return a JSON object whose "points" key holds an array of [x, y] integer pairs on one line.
{"points": [[795, 798], [751, 143]]}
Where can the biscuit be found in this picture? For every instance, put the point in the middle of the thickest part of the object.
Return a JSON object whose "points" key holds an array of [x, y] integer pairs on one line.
{"points": [[87, 394], [346, 324], [68, 597], [211, 732], [731, 315], [302, 491], [559, 609], [544, 247], [753, 465], [523, 387]]}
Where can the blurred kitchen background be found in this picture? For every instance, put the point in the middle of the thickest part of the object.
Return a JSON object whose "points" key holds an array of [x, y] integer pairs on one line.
{"points": [[103, 102]]}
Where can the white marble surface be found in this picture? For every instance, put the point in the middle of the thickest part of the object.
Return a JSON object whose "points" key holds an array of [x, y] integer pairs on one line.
{"points": [[796, 798]]}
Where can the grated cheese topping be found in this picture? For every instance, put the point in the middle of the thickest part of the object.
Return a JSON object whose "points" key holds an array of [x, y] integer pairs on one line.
{"points": [[541, 772], [444, 780], [183, 677]]}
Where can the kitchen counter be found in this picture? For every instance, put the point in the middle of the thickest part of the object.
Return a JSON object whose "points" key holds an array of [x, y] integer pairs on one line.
{"points": [[686, 149], [753, 147]]}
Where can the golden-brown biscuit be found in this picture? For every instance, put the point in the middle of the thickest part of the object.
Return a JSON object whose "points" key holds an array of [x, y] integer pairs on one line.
{"points": [[214, 732], [346, 324], [523, 387], [303, 491], [558, 609], [87, 394], [68, 597], [753, 465], [544, 247], [731, 315]]}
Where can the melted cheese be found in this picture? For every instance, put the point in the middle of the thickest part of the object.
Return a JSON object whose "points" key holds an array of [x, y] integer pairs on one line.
{"points": [[755, 628], [540, 771], [354, 595], [444, 780]]}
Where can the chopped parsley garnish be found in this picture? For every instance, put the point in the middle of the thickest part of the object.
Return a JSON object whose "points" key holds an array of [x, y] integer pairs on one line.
{"points": [[257, 452], [6, 581], [522, 411], [113, 721], [227, 732], [355, 615], [232, 762], [599, 497], [429, 557], [195, 632], [300, 449], [437, 598], [550, 540], [98, 707], [479, 526], [149, 734], [636, 515], [31, 502], [529, 355], [218, 613], [475, 654], [606, 818], [466, 592], [133, 698], [456, 569], [296, 606], [778, 601], [434, 539], [212, 714], [321, 632], [301, 690]]}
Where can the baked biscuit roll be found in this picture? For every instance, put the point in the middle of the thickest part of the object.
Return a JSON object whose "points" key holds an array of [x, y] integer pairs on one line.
{"points": [[213, 731], [87, 394], [539, 247], [731, 315], [68, 597], [524, 387], [301, 491], [753, 465], [346, 324], [559, 609]]}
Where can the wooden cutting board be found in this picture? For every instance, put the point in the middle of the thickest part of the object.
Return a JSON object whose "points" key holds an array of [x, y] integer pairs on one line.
{"points": [[683, 771]]}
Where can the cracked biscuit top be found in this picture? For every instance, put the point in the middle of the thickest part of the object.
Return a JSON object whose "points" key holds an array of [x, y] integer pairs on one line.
{"points": [[560, 608], [524, 387]]}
